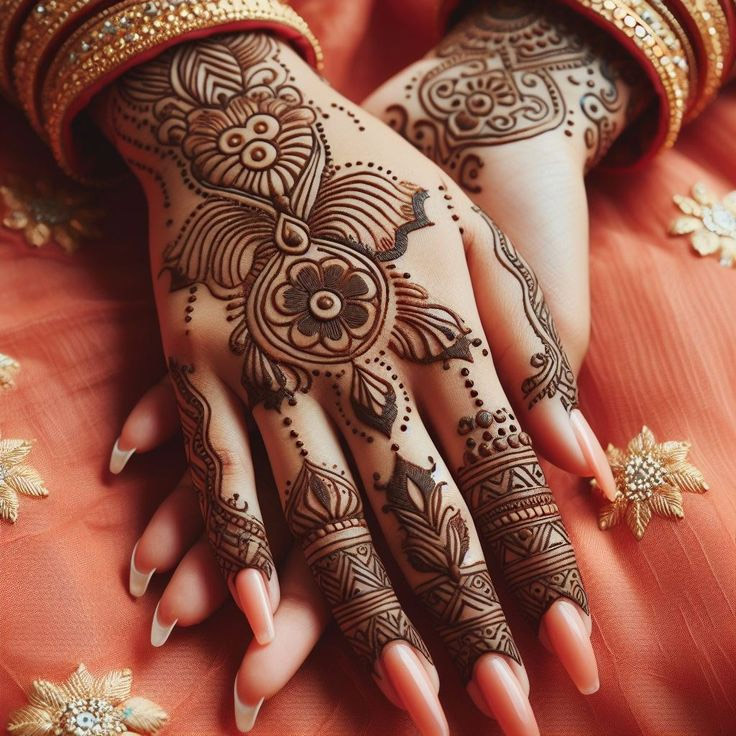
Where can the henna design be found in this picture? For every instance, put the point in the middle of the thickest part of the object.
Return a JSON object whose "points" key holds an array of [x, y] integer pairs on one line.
{"points": [[460, 596], [325, 512], [499, 78], [553, 376], [238, 538], [505, 488], [299, 248]]}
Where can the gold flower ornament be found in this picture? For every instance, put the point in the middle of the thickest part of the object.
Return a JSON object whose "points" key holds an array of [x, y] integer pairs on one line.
{"points": [[8, 370], [650, 478], [17, 478], [711, 224], [86, 706]]}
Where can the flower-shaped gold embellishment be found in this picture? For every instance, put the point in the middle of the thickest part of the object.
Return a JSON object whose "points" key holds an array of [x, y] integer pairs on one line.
{"points": [[8, 370], [15, 477], [650, 478], [49, 214], [711, 224], [86, 706]]}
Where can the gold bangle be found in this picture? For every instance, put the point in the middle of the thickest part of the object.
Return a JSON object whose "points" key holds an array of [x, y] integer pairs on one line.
{"points": [[11, 17], [713, 33], [130, 32], [44, 28], [644, 28]]}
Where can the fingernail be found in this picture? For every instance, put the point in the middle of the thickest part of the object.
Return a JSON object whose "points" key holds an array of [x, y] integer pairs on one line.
{"points": [[412, 685], [505, 698], [567, 636], [138, 581], [119, 458], [245, 715], [253, 597], [159, 632], [593, 454]]}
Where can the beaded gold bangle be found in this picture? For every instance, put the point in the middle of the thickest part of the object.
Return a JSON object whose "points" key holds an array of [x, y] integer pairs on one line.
{"points": [[12, 13], [43, 31], [639, 26], [708, 25], [134, 31]]}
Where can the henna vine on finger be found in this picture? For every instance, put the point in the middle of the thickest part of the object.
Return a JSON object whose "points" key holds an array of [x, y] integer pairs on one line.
{"points": [[516, 514], [459, 595], [325, 512], [237, 537], [303, 251], [500, 77]]}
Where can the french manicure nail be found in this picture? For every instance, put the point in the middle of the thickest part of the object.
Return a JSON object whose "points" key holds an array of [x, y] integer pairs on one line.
{"points": [[567, 636], [593, 454], [159, 632], [245, 715], [502, 693], [253, 597], [119, 458], [411, 683], [138, 580]]}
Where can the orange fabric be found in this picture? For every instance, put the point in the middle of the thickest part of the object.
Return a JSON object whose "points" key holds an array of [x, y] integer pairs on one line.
{"points": [[663, 353]]}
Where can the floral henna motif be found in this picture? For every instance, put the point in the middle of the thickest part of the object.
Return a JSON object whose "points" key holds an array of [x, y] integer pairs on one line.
{"points": [[505, 488], [324, 511], [301, 249], [237, 538], [498, 80], [460, 596], [554, 376]]}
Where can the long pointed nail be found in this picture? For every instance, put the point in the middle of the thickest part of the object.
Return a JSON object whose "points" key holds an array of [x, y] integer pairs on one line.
{"points": [[119, 458], [593, 454], [412, 684], [504, 696], [138, 580], [564, 630], [159, 632], [253, 597], [245, 715]]}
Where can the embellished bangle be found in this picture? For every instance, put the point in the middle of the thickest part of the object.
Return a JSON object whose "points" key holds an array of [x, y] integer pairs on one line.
{"points": [[707, 25], [12, 13], [44, 30], [729, 10], [651, 40], [135, 31]]}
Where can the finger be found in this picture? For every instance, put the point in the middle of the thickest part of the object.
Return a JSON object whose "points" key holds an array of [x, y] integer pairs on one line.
{"points": [[218, 451], [152, 421], [324, 510], [528, 353], [299, 621], [195, 591], [173, 528], [504, 486]]}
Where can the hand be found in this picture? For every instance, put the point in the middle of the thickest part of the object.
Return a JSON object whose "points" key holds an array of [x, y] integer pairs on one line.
{"points": [[296, 268], [516, 103]]}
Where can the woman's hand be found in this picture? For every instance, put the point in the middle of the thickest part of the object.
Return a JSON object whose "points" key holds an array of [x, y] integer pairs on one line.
{"points": [[515, 104], [312, 266]]}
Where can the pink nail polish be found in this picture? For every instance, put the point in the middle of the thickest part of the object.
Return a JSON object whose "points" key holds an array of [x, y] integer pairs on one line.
{"points": [[593, 454], [412, 684], [253, 597], [502, 693], [564, 629]]}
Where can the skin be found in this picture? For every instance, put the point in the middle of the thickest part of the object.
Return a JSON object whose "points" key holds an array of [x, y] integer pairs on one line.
{"points": [[480, 291]]}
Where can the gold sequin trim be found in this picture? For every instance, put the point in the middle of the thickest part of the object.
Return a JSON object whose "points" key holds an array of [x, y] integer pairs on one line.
{"points": [[87, 706], [17, 478], [650, 479]]}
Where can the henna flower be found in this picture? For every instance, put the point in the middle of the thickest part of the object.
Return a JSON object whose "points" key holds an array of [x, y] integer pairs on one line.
{"points": [[47, 214], [86, 706], [8, 369], [327, 302], [253, 145], [651, 478], [16, 478], [711, 224]]}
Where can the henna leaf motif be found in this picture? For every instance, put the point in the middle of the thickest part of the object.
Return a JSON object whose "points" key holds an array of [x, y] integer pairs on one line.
{"points": [[373, 400]]}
